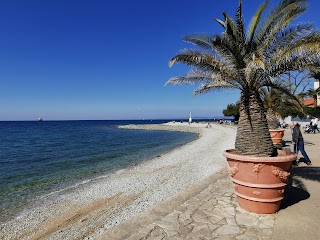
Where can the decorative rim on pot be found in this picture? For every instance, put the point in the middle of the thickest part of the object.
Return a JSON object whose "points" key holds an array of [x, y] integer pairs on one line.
{"points": [[287, 158], [276, 130]]}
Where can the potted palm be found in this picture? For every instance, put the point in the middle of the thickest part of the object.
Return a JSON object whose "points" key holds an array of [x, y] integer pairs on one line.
{"points": [[249, 61], [272, 99]]}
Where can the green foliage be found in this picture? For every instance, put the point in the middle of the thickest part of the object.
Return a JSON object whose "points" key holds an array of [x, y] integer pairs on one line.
{"points": [[232, 110], [290, 111], [315, 112]]}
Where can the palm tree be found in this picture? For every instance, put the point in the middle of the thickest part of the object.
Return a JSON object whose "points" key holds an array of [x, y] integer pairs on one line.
{"points": [[250, 60], [272, 99]]}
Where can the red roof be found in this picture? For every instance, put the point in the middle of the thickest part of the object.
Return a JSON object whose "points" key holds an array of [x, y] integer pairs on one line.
{"points": [[309, 102]]}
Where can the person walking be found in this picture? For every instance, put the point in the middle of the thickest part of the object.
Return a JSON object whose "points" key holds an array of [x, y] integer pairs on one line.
{"points": [[298, 142], [312, 122], [315, 125]]}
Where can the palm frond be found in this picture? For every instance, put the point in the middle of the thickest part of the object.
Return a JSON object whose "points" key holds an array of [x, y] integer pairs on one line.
{"points": [[214, 86], [222, 23], [202, 40], [255, 21], [199, 59], [239, 21], [285, 37], [192, 77], [309, 43], [233, 32], [286, 91], [279, 17]]}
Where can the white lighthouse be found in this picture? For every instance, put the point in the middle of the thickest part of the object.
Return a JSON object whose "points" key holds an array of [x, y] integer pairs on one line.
{"points": [[190, 118]]}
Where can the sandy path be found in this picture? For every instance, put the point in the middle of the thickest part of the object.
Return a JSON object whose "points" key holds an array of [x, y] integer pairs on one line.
{"points": [[96, 206]]}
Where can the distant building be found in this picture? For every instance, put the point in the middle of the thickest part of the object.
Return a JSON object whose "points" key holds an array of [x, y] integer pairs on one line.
{"points": [[316, 86], [311, 102]]}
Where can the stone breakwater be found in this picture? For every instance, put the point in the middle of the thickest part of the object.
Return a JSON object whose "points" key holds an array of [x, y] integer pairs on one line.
{"points": [[91, 208]]}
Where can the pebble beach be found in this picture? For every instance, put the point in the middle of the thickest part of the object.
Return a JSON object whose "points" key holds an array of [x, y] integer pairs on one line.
{"points": [[88, 209]]}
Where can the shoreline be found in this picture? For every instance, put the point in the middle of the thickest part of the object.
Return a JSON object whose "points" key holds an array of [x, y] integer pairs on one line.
{"points": [[96, 206]]}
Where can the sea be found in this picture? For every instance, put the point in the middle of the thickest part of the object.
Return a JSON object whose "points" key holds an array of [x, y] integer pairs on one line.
{"points": [[38, 158]]}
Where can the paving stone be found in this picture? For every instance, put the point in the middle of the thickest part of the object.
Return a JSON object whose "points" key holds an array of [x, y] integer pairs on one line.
{"points": [[170, 233], [156, 238], [202, 230], [216, 218], [231, 221], [186, 222], [211, 212], [174, 226], [206, 199], [181, 208], [253, 231], [193, 202], [230, 210], [228, 193], [137, 236], [246, 237], [192, 207], [184, 231], [200, 196], [246, 220], [185, 215], [241, 210], [147, 229], [267, 217], [222, 222], [226, 237], [222, 212], [206, 205], [172, 217], [266, 224], [156, 232], [226, 229], [213, 227], [225, 199], [213, 201], [175, 238], [267, 232], [200, 217]]}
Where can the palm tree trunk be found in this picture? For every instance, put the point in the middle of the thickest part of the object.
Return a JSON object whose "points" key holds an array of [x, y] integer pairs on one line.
{"points": [[253, 137], [272, 119]]}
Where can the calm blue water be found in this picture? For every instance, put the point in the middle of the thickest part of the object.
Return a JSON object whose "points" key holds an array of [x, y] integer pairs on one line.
{"points": [[37, 158]]}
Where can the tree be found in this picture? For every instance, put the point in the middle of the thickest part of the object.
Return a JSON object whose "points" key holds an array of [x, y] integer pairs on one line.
{"points": [[250, 60], [297, 83], [232, 110]]}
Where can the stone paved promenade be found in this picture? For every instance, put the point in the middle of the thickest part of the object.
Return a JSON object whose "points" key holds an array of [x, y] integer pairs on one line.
{"points": [[210, 211]]}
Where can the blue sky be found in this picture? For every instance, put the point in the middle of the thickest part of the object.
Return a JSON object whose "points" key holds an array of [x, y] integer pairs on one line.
{"points": [[68, 60]]}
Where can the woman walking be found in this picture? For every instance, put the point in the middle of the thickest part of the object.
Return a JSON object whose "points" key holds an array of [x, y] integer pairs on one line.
{"points": [[298, 142]]}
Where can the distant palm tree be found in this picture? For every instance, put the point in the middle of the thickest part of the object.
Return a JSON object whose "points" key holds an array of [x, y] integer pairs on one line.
{"points": [[249, 61], [272, 99]]}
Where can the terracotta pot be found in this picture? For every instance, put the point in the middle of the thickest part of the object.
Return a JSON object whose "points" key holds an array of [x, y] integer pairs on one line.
{"points": [[276, 135], [259, 182]]}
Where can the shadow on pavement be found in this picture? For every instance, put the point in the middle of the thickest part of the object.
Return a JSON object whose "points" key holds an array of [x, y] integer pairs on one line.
{"points": [[296, 191]]}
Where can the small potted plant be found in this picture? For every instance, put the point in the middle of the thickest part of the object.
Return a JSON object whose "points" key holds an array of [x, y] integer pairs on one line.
{"points": [[249, 61]]}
